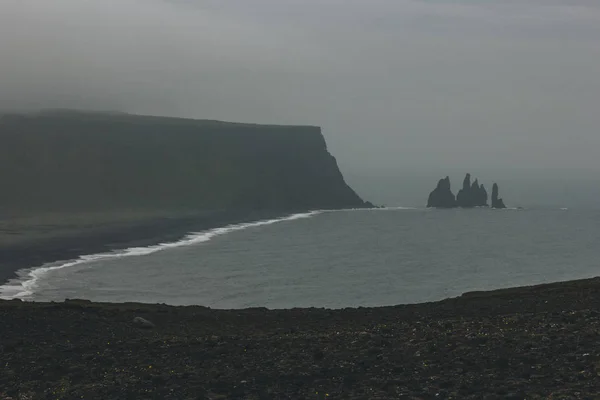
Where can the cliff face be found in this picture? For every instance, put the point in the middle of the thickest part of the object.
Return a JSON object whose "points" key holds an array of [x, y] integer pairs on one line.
{"points": [[90, 161]]}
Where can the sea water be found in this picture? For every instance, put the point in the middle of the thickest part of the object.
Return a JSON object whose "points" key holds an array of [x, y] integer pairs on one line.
{"points": [[335, 259]]}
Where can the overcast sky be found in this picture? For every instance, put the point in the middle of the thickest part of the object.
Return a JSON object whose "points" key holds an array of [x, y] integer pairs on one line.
{"points": [[395, 84]]}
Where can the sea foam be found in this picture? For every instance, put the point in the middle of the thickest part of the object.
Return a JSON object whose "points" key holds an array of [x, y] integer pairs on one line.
{"points": [[23, 287]]}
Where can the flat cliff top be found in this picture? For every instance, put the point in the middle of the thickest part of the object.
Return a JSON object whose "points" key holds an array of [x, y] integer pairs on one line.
{"points": [[534, 342], [89, 116], [101, 162]]}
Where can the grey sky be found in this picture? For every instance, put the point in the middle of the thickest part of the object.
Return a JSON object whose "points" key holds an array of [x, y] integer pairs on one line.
{"points": [[395, 84]]}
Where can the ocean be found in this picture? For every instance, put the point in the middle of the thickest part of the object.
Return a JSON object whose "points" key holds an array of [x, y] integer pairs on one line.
{"points": [[335, 259]]}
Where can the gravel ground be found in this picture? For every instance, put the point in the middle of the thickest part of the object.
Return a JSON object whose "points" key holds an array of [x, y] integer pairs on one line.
{"points": [[539, 342]]}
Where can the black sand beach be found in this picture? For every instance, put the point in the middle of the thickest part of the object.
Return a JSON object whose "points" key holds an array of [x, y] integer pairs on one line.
{"points": [[81, 182], [524, 343], [105, 175], [39, 239]]}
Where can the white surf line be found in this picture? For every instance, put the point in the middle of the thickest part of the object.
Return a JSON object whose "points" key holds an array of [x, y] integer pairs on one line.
{"points": [[396, 208], [23, 287], [378, 209]]}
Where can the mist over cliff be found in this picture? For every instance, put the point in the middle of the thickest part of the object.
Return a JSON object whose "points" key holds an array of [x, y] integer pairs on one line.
{"points": [[419, 87], [65, 160]]}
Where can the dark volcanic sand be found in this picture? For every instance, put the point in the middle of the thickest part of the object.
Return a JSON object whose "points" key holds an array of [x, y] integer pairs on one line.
{"points": [[34, 243], [537, 342]]}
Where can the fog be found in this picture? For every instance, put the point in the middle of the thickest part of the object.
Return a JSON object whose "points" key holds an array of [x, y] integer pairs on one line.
{"points": [[400, 88]]}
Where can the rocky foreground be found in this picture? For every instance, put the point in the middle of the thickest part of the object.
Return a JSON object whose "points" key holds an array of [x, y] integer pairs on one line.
{"points": [[535, 343]]}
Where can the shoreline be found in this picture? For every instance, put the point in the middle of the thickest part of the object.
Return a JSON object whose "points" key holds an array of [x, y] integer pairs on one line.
{"points": [[527, 342], [148, 232]]}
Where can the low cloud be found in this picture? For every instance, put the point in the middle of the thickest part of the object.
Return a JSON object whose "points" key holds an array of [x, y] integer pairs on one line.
{"points": [[395, 84]]}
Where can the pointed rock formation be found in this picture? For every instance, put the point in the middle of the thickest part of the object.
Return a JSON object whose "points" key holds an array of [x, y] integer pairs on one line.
{"points": [[483, 196], [496, 201], [463, 198], [471, 195], [478, 195], [442, 196]]}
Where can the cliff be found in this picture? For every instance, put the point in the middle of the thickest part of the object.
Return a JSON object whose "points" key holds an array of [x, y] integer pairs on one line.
{"points": [[67, 161]]}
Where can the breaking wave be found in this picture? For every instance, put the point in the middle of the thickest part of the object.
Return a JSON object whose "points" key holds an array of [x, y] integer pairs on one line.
{"points": [[23, 287]]}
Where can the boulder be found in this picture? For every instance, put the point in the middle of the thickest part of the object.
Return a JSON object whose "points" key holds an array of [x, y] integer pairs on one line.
{"points": [[143, 323]]}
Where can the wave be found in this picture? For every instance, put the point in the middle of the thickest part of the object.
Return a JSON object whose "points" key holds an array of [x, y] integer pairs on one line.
{"points": [[392, 208], [23, 287]]}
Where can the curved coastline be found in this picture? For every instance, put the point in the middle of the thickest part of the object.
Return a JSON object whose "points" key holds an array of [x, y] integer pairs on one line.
{"points": [[24, 278], [19, 281], [137, 180], [21, 267]]}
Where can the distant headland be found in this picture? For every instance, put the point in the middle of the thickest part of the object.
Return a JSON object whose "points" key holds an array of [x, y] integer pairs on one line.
{"points": [[66, 160], [471, 195], [76, 182]]}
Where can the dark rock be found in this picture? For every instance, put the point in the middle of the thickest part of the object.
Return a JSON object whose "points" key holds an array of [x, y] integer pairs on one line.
{"points": [[471, 195], [480, 196], [431, 352], [496, 201], [143, 323], [483, 194], [442, 196]]}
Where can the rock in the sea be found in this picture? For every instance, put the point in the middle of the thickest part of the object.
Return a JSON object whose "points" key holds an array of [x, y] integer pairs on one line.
{"points": [[472, 195], [442, 196], [143, 323], [496, 201], [463, 197], [480, 195], [483, 196]]}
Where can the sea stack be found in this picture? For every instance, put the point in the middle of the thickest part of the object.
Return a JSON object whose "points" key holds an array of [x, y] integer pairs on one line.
{"points": [[471, 195], [496, 201], [442, 196]]}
